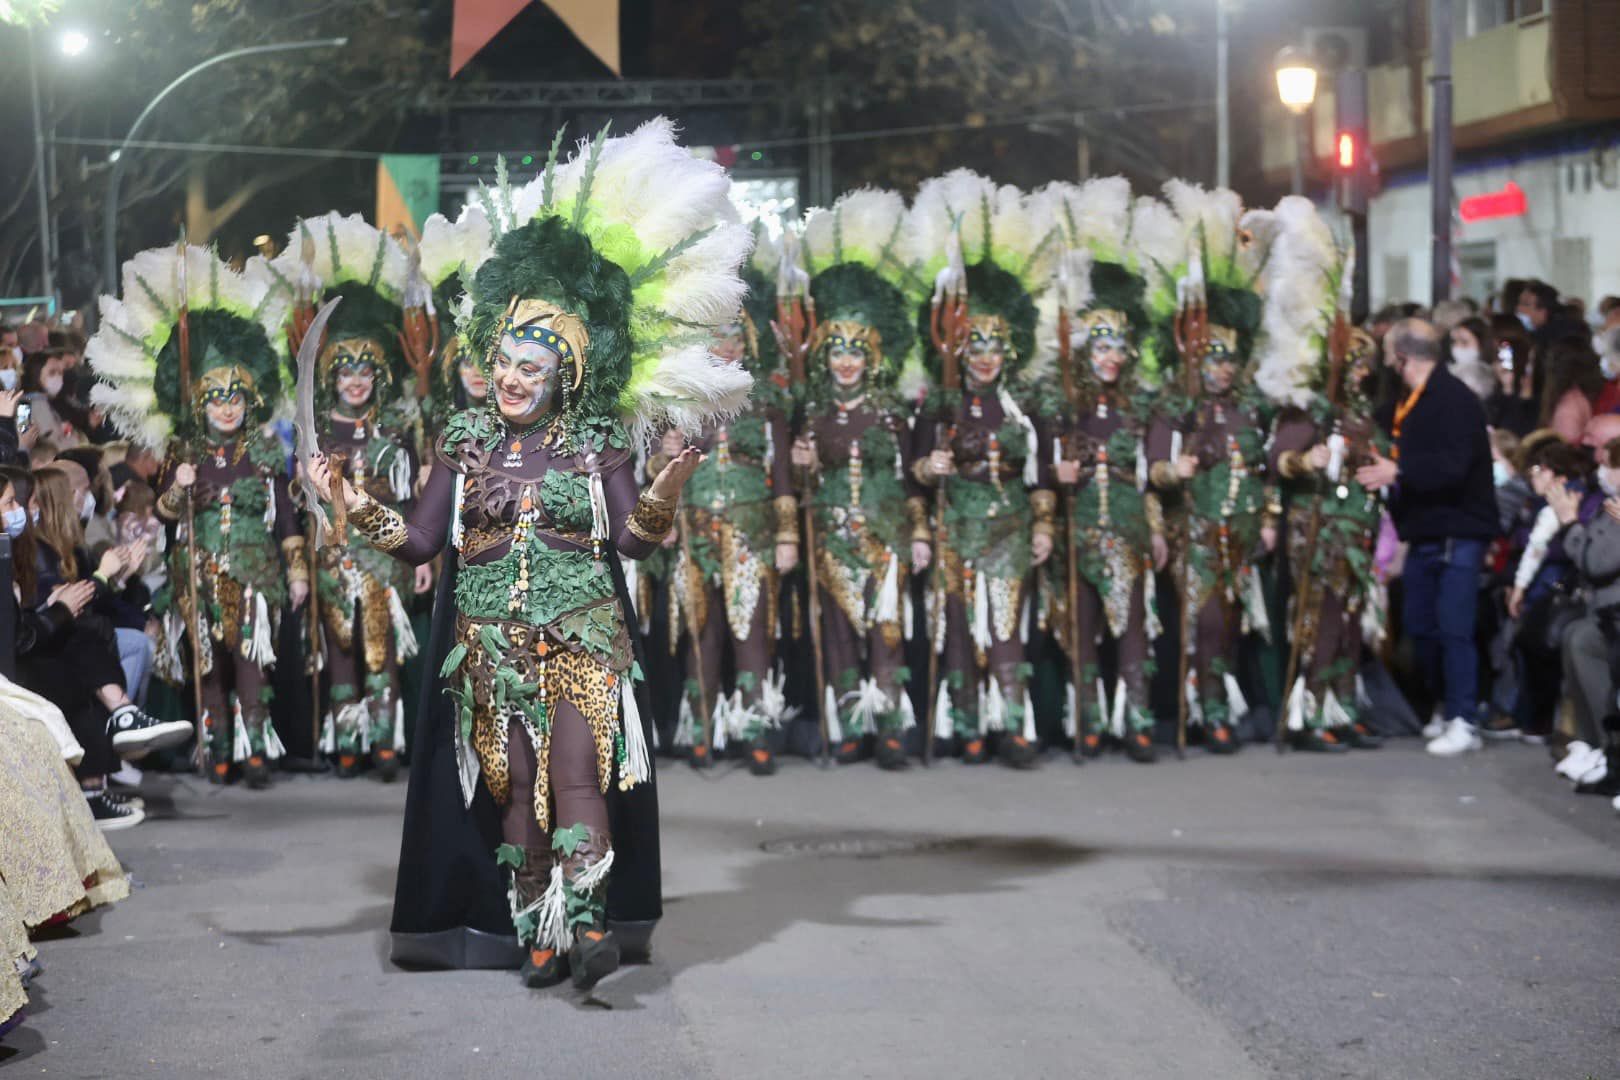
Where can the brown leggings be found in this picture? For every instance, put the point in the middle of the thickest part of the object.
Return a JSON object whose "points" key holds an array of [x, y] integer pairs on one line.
{"points": [[575, 796]]}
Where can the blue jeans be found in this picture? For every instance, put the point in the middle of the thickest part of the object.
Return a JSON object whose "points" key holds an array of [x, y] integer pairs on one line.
{"points": [[1442, 593], [136, 655]]}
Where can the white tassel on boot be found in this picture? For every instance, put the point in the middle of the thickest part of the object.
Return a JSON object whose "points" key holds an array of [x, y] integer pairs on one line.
{"points": [[829, 710], [1333, 714], [399, 726], [908, 712], [273, 747], [404, 636], [1029, 718], [773, 704], [1102, 702], [1195, 704], [720, 722], [866, 703], [329, 734], [1119, 709], [1296, 705], [887, 606], [1237, 706], [992, 707], [241, 744], [943, 725], [1071, 712], [685, 723], [552, 908]]}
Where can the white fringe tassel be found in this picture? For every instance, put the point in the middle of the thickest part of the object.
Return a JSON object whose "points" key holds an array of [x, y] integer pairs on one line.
{"points": [[241, 745], [829, 709], [404, 636], [259, 647], [1119, 709], [887, 608], [599, 509], [981, 613], [638, 763], [399, 726], [943, 727], [1237, 706], [1296, 706], [1071, 712], [399, 476]]}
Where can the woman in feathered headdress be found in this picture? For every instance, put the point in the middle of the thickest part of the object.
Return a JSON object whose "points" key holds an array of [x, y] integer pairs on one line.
{"points": [[853, 456], [594, 316], [369, 421], [1314, 365], [449, 250], [739, 530], [1207, 452], [1097, 411], [186, 317], [980, 245]]}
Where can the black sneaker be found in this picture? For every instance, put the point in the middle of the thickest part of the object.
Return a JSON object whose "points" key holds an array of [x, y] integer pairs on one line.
{"points": [[118, 798], [134, 732], [111, 816]]}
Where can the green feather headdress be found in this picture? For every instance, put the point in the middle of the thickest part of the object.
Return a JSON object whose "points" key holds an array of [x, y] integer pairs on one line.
{"points": [[634, 235], [232, 318]]}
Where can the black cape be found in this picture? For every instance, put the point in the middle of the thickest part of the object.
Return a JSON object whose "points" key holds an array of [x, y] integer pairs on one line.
{"points": [[450, 904]]}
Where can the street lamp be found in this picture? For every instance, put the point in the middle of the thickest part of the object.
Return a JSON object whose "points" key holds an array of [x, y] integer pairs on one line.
{"points": [[73, 42], [117, 159], [1296, 86]]}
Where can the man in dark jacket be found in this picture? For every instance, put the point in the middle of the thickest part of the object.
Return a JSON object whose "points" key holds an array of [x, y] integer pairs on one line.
{"points": [[1443, 503]]}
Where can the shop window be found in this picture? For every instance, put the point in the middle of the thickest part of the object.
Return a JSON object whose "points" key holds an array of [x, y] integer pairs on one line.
{"points": [[1397, 279], [1476, 263], [1572, 266]]}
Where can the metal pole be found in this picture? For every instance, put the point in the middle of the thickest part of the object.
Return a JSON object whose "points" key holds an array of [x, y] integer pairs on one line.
{"points": [[109, 213], [47, 268], [1301, 134], [1440, 150], [1223, 98]]}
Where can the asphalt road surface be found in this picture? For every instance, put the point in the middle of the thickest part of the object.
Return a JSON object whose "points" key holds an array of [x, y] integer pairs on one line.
{"points": [[1378, 915]]}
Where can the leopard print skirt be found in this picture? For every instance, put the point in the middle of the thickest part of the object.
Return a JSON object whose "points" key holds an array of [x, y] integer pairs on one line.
{"points": [[547, 672]]}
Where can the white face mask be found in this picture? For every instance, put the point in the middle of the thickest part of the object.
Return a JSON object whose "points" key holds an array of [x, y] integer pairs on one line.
{"points": [[1500, 473], [1607, 483], [1524, 318], [52, 385], [1465, 355], [8, 378], [87, 509]]}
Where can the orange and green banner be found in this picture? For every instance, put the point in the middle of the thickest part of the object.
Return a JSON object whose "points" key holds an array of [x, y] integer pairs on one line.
{"points": [[474, 23], [407, 191]]}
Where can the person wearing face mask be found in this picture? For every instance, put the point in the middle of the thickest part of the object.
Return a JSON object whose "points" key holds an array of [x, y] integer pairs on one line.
{"points": [[369, 420], [237, 545], [1207, 456], [852, 458], [1591, 642], [975, 443], [11, 359], [738, 531], [535, 644], [1472, 355], [1094, 425], [42, 382]]}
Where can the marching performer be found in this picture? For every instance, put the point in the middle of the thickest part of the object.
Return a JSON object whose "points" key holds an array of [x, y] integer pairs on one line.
{"points": [[610, 275], [370, 426], [867, 524], [977, 453], [191, 360], [1207, 452], [448, 251], [1113, 536], [738, 531], [1316, 364]]}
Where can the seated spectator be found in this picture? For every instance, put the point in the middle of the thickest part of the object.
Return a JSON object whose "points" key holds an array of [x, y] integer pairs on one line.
{"points": [[1545, 317], [1470, 350], [1515, 405], [1513, 493], [92, 485], [1609, 312], [1607, 345], [1572, 381], [65, 652], [1545, 583], [1593, 548], [138, 521], [42, 385]]}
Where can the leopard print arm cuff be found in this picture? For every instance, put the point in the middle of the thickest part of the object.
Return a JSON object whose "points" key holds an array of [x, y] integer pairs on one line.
{"points": [[787, 519], [652, 518], [382, 526], [1164, 476], [292, 551], [917, 512], [1153, 510], [1044, 505]]}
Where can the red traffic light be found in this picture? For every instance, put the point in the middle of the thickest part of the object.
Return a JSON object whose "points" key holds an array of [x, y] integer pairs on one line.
{"points": [[1347, 150]]}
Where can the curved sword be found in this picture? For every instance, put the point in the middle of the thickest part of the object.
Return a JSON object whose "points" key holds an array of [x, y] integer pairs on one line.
{"points": [[308, 444]]}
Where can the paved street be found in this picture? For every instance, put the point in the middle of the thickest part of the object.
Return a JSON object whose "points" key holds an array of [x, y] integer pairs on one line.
{"points": [[1385, 915]]}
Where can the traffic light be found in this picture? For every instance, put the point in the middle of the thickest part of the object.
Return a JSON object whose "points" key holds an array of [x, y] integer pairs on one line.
{"points": [[1352, 172]]}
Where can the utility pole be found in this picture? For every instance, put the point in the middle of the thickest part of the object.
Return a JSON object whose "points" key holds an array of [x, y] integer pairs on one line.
{"points": [[47, 264], [1440, 150], [1223, 97]]}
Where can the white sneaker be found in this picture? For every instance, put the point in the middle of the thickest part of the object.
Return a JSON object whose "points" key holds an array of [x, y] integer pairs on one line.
{"points": [[1577, 761], [127, 776], [1458, 738], [1616, 804], [1436, 726]]}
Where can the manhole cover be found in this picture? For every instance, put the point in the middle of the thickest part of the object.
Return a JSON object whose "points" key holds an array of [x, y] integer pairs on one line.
{"points": [[860, 847]]}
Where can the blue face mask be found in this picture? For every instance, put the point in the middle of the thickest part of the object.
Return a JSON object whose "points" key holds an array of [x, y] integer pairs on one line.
{"points": [[16, 520], [1500, 472]]}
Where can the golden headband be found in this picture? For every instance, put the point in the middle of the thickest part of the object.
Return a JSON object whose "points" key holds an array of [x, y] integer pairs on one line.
{"points": [[850, 334], [354, 352], [545, 322], [992, 328], [1103, 323], [1223, 345], [222, 383]]}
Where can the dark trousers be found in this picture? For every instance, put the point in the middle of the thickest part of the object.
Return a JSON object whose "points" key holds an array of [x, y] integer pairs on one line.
{"points": [[1442, 592], [68, 673]]}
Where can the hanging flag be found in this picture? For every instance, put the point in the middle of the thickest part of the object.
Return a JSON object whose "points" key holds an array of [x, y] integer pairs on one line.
{"points": [[407, 191], [474, 24]]}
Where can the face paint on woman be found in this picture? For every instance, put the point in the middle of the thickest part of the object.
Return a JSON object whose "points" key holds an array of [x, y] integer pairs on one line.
{"points": [[473, 381], [225, 415], [526, 379], [847, 365], [986, 357], [1107, 358]]}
